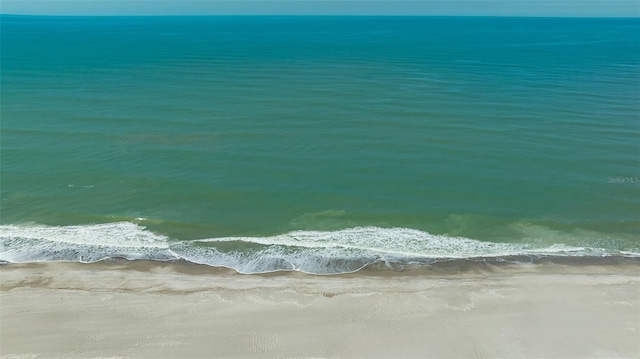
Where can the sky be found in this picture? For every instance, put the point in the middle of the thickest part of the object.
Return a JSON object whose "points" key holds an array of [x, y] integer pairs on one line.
{"points": [[563, 8]]}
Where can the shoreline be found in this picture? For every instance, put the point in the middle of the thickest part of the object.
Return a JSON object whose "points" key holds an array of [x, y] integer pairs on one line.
{"points": [[433, 267], [154, 309]]}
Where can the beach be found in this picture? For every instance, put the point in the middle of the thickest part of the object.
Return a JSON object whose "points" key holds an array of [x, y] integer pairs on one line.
{"points": [[164, 310], [319, 187]]}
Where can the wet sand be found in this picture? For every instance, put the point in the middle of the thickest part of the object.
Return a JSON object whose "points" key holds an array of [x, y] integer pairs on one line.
{"points": [[146, 310]]}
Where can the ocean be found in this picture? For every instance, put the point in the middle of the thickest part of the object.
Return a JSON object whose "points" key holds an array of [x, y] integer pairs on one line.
{"points": [[319, 144]]}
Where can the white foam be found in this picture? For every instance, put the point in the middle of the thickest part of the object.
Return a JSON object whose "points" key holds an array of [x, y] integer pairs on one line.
{"points": [[111, 234], [327, 260], [316, 252], [397, 241], [86, 243], [348, 250]]}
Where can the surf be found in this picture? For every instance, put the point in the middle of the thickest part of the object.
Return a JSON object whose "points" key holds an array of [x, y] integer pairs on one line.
{"points": [[314, 252]]}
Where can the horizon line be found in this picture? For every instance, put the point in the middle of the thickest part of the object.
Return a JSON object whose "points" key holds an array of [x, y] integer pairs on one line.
{"points": [[324, 15]]}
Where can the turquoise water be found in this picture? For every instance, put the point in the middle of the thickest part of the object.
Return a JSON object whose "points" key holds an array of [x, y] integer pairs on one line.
{"points": [[318, 143]]}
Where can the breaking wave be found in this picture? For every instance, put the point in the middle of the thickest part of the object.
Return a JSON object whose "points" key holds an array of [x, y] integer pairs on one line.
{"points": [[314, 252]]}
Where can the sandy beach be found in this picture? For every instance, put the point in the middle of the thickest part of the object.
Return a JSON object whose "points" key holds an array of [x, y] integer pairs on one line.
{"points": [[146, 310]]}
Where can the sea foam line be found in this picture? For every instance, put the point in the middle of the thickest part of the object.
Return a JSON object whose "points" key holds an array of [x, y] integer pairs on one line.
{"points": [[316, 252]]}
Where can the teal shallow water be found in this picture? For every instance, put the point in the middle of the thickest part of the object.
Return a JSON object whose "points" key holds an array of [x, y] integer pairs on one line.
{"points": [[506, 132]]}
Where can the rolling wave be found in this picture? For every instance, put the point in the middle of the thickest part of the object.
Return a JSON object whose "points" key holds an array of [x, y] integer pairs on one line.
{"points": [[314, 252]]}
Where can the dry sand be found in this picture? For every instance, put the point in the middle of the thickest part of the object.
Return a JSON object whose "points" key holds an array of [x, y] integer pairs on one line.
{"points": [[147, 310]]}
